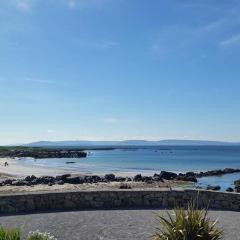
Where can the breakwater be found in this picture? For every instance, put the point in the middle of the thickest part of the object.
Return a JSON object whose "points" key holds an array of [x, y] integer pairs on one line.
{"points": [[115, 199]]}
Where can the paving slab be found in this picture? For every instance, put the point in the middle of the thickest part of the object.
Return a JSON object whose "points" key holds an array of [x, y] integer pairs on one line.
{"points": [[108, 224]]}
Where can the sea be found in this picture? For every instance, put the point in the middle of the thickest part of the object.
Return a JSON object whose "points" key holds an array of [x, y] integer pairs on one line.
{"points": [[148, 160]]}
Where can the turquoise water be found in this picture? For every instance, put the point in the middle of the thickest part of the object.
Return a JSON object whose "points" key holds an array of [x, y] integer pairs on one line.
{"points": [[153, 159]]}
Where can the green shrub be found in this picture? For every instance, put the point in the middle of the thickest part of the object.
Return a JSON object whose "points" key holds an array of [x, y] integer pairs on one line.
{"points": [[9, 234], [189, 224], [40, 236]]}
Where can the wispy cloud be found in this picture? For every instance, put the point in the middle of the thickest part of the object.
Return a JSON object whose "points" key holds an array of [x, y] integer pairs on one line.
{"points": [[114, 120], [23, 5], [95, 44], [179, 38], [82, 4], [50, 131], [35, 80], [234, 40]]}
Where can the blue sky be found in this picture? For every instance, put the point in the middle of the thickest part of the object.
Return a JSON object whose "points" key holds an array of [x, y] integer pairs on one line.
{"points": [[119, 69]]}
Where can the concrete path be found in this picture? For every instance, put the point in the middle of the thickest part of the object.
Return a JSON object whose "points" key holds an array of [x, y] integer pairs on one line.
{"points": [[107, 225]]}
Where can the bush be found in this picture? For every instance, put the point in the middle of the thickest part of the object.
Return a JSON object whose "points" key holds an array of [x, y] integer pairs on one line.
{"points": [[9, 234], [40, 236], [190, 224]]}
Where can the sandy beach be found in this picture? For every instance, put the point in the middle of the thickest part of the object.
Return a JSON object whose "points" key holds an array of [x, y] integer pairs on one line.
{"points": [[15, 169]]}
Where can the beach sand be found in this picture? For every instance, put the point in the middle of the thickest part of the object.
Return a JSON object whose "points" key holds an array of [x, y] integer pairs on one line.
{"points": [[89, 187], [16, 170]]}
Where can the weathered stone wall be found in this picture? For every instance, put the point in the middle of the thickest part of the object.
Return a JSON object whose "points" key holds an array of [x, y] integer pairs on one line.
{"points": [[51, 201]]}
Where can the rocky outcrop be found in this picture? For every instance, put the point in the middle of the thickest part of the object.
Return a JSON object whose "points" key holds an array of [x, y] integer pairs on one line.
{"points": [[44, 153], [217, 172], [213, 188], [237, 185], [168, 175]]}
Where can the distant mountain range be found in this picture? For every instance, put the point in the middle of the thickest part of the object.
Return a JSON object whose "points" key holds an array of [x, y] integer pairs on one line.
{"points": [[170, 142]]}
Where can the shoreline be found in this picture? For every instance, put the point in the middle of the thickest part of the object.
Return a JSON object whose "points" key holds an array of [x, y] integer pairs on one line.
{"points": [[133, 180]]}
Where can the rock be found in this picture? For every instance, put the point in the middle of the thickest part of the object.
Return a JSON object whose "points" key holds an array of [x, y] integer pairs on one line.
{"points": [[237, 185], [96, 178], [156, 177], [20, 183], [8, 181], [187, 178], [229, 189], [120, 179], [168, 175], [110, 177], [137, 178], [30, 178], [147, 179], [62, 177], [74, 180], [125, 186], [60, 182], [45, 180], [213, 188], [190, 174]]}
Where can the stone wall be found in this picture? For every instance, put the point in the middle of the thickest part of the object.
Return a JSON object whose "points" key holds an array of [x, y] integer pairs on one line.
{"points": [[52, 201]]}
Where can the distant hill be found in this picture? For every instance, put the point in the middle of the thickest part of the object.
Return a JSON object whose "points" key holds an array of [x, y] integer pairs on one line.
{"points": [[170, 142]]}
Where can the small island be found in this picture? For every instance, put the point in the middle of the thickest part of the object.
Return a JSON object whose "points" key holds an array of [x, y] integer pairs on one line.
{"points": [[38, 153]]}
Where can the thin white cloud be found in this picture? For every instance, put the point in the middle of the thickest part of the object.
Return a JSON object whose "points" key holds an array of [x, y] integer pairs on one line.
{"points": [[82, 4], [114, 120], [234, 40], [72, 3], [34, 80], [23, 5], [50, 131]]}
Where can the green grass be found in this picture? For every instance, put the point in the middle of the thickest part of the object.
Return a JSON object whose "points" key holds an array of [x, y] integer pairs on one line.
{"points": [[9, 234], [189, 224]]}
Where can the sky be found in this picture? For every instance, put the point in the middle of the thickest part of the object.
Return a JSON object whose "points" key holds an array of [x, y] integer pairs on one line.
{"points": [[119, 69]]}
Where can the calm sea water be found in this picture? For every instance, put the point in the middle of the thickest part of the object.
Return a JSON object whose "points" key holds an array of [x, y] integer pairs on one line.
{"points": [[149, 160]]}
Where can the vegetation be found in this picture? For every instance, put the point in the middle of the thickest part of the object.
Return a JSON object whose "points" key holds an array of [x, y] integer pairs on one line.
{"points": [[40, 236], [9, 234], [189, 224]]}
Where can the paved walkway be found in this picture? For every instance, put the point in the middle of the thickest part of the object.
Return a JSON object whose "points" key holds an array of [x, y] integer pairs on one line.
{"points": [[107, 225]]}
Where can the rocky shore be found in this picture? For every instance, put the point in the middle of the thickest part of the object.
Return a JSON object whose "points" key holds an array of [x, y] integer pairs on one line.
{"points": [[162, 177], [38, 153]]}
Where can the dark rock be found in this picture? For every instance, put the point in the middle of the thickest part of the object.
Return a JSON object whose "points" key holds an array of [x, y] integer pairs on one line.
{"points": [[96, 179], [60, 182], [46, 179], [128, 179], [8, 181], [120, 179], [20, 183], [229, 189], [157, 178], [30, 178], [62, 177], [213, 188], [125, 186], [190, 174], [187, 178], [168, 175], [147, 179], [137, 178], [237, 185], [110, 177], [74, 180]]}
